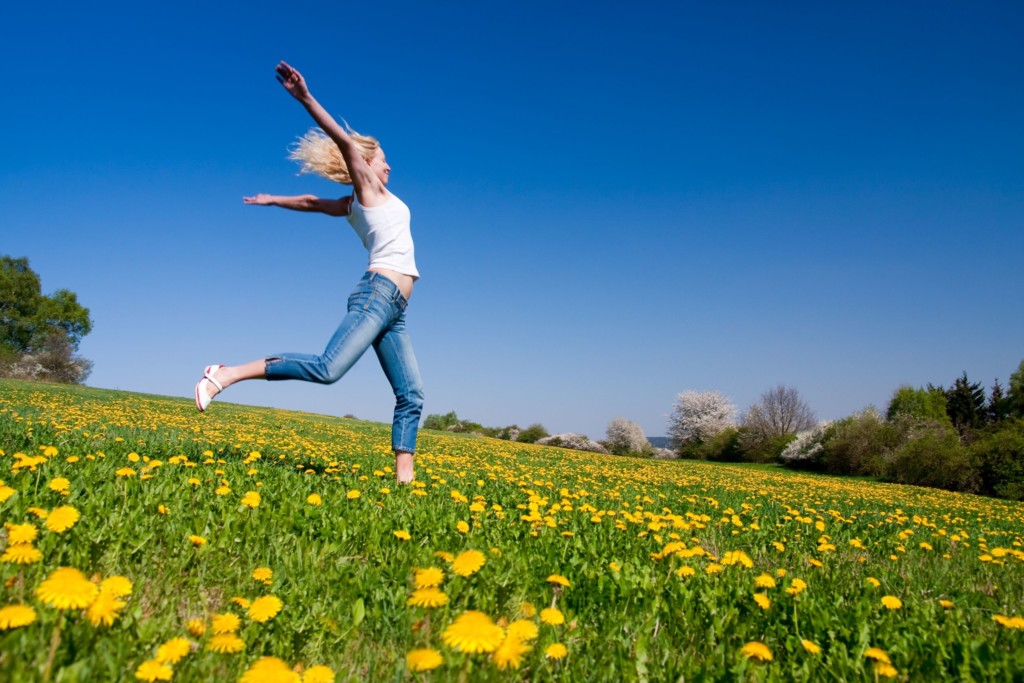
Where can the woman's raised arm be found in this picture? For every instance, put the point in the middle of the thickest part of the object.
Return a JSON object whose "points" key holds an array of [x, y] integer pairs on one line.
{"points": [[304, 202], [368, 187]]}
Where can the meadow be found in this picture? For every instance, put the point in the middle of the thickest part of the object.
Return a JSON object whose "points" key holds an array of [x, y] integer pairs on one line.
{"points": [[144, 541]]}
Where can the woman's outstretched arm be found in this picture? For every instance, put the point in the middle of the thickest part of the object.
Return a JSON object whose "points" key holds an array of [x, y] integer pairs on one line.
{"points": [[368, 187], [304, 202]]}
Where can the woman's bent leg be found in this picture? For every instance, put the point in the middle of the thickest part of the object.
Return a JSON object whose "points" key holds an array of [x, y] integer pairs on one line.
{"points": [[354, 336]]}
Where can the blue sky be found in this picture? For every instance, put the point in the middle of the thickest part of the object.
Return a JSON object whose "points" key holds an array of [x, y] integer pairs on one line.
{"points": [[611, 203]]}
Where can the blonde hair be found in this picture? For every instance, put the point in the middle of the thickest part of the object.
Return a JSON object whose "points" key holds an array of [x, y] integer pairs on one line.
{"points": [[319, 154]]}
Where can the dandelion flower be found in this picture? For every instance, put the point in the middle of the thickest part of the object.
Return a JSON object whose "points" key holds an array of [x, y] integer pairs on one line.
{"points": [[222, 490], [197, 627], [241, 602], [756, 650], [510, 653], [445, 555], [225, 623], [473, 632], [152, 670], [946, 604], [125, 472], [67, 588], [60, 485], [559, 579], [118, 586], [713, 568], [427, 597], [264, 609], [402, 535], [269, 670], [462, 527], [104, 610], [13, 616], [892, 602], [431, 577], [264, 575], [61, 519], [873, 581], [426, 659], [764, 581], [226, 643], [318, 674], [173, 651], [528, 610], [552, 616], [1009, 622], [196, 540], [468, 563], [353, 494], [686, 570], [556, 651], [21, 553], [811, 646], [523, 629], [886, 670], [251, 500], [6, 492], [762, 600], [877, 654], [21, 533]]}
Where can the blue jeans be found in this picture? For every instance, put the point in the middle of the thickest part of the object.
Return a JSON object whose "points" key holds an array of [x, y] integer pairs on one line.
{"points": [[376, 317]]}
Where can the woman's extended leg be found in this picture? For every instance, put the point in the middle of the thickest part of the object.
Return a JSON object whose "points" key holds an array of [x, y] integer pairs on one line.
{"points": [[394, 351]]}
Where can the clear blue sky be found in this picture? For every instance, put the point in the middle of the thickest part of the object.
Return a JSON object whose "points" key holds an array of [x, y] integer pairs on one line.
{"points": [[612, 203]]}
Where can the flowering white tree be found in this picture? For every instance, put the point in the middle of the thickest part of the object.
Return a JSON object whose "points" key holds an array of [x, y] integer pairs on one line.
{"points": [[625, 436], [698, 416]]}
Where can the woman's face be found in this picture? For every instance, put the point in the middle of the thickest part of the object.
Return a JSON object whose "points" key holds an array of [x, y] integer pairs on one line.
{"points": [[379, 165]]}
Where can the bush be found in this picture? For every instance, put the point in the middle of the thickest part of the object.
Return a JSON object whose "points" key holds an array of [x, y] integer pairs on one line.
{"points": [[698, 416], [859, 444], [1000, 457], [532, 434], [626, 437], [773, 422], [928, 404], [931, 455], [577, 442], [807, 450]]}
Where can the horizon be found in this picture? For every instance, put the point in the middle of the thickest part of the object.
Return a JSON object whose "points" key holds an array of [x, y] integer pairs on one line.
{"points": [[608, 208]]}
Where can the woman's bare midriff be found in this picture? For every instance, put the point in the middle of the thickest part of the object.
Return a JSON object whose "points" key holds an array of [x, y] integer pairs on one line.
{"points": [[402, 281]]}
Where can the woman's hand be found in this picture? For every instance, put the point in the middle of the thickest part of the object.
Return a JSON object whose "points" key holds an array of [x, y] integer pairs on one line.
{"points": [[292, 81], [260, 199]]}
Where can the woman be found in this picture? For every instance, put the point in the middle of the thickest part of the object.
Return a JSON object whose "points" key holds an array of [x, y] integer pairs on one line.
{"points": [[376, 308]]}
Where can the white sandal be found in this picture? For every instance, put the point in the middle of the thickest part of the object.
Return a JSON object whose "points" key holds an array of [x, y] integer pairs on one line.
{"points": [[202, 397]]}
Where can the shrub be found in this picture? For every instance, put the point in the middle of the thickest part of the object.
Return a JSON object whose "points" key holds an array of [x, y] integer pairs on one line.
{"points": [[698, 416], [532, 434], [931, 455], [1000, 456], [577, 442], [441, 422], [807, 450], [858, 444], [772, 423], [625, 436], [928, 404]]}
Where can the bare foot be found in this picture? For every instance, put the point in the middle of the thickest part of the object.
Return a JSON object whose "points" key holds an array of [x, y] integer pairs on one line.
{"points": [[404, 467]]}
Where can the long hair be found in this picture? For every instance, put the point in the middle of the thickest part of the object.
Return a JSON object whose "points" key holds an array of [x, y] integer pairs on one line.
{"points": [[319, 154]]}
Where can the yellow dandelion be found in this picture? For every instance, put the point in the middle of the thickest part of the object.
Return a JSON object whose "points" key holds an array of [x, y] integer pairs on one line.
{"points": [[14, 616], [462, 527], [60, 485], [559, 580], [318, 674], [523, 629], [873, 581], [779, 546], [225, 643], [426, 659], [556, 651], [251, 500], [264, 575], [118, 586], [552, 616], [196, 540], [6, 492], [427, 597], [468, 562], [713, 568], [762, 600], [1009, 622], [21, 533], [194, 481], [67, 588], [402, 535], [197, 627], [764, 581], [241, 602], [269, 670], [756, 650], [222, 490], [614, 566], [811, 646], [796, 586], [49, 451], [104, 610], [152, 670], [314, 499], [353, 494], [528, 610], [21, 553], [473, 632], [445, 555], [265, 608], [509, 654], [225, 623], [686, 570], [125, 472], [946, 604], [173, 651], [431, 577], [886, 670], [877, 654], [162, 509], [61, 519], [133, 457], [892, 602]]}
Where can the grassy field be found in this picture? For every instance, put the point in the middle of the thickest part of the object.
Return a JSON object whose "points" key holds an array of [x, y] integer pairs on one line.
{"points": [[145, 541]]}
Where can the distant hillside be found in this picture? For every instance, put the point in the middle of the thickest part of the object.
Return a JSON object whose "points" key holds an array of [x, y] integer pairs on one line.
{"points": [[659, 441]]}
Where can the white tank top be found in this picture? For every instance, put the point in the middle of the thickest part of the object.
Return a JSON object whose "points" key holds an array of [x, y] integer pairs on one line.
{"points": [[386, 234]]}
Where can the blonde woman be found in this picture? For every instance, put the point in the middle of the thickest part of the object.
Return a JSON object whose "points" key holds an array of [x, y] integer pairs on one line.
{"points": [[376, 308]]}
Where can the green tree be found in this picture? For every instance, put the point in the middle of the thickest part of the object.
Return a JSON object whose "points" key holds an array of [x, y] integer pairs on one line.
{"points": [[39, 334], [929, 404], [998, 408], [965, 404], [1015, 395]]}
